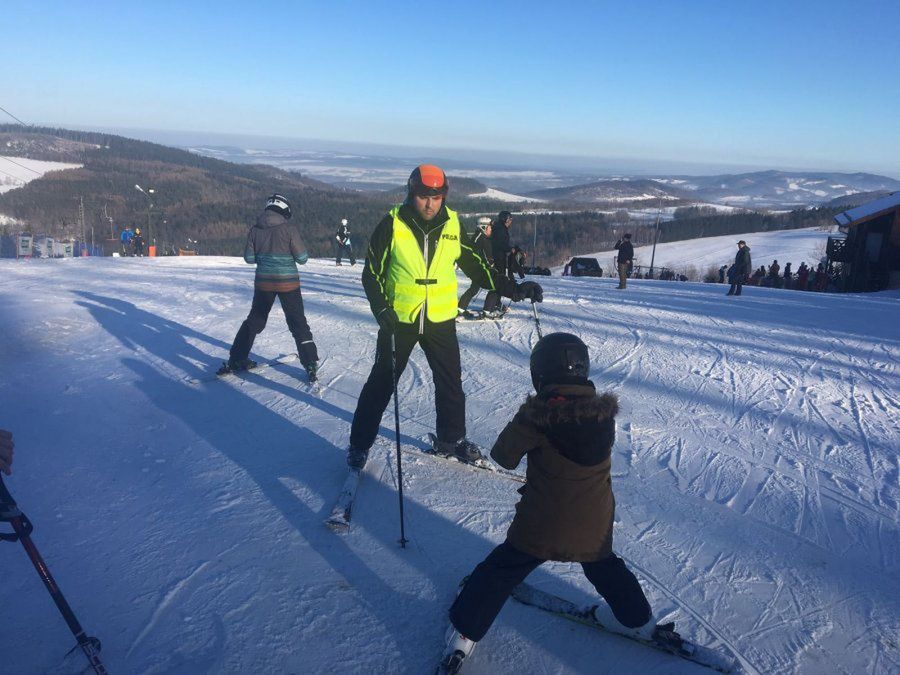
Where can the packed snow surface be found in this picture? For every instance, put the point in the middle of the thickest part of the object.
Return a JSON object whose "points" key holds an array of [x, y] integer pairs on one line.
{"points": [[755, 472]]}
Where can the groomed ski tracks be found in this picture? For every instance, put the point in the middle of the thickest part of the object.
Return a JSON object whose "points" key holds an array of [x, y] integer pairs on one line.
{"points": [[584, 614]]}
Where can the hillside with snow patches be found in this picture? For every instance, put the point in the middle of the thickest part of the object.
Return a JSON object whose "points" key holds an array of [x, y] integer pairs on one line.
{"points": [[18, 171], [755, 473]]}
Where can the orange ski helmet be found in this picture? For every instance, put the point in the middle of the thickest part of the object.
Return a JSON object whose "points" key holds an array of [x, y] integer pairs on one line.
{"points": [[427, 180]]}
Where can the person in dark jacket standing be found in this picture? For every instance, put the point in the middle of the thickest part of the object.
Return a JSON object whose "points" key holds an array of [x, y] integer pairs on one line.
{"points": [[742, 268], [275, 247], [137, 243], [500, 249], [567, 507], [482, 244], [410, 281], [624, 259], [344, 245]]}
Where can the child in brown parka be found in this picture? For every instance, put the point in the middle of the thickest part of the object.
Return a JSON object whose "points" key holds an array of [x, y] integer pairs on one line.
{"points": [[567, 507]]}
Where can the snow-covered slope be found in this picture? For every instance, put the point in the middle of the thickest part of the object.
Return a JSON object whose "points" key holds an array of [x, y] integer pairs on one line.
{"points": [[755, 471], [17, 171], [785, 246]]}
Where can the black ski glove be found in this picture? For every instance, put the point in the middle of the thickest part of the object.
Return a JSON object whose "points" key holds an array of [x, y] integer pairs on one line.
{"points": [[529, 290], [387, 319]]}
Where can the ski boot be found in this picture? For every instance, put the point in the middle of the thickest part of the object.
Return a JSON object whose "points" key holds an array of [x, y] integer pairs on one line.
{"points": [[465, 450], [236, 366], [457, 650], [605, 617], [312, 370], [356, 459]]}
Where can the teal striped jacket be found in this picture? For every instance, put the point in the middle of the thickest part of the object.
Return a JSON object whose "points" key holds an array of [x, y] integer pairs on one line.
{"points": [[275, 247]]}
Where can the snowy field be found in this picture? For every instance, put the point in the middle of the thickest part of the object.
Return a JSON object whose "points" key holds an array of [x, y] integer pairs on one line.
{"points": [[17, 171], [785, 246], [756, 475]]}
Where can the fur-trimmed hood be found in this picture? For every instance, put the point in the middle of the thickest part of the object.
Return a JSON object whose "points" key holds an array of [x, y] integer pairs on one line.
{"points": [[564, 403]]}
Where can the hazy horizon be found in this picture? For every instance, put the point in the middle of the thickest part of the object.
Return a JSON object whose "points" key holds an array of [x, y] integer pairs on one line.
{"points": [[486, 157], [653, 87]]}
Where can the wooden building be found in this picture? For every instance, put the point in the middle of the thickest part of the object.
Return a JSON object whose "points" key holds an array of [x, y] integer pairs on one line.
{"points": [[868, 257]]}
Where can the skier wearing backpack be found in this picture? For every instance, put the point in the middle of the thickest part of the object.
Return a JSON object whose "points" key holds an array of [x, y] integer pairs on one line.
{"points": [[275, 247], [410, 281], [567, 507]]}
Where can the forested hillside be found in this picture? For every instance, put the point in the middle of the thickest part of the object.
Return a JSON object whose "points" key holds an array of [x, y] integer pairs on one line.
{"points": [[213, 202]]}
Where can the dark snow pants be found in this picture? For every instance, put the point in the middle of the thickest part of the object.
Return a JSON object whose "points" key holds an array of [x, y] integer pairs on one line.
{"points": [[345, 251], [493, 302], [442, 352], [736, 284], [292, 305], [492, 581], [467, 297]]}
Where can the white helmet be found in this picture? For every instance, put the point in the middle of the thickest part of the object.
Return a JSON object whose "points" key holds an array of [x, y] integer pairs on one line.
{"points": [[343, 221], [483, 223]]}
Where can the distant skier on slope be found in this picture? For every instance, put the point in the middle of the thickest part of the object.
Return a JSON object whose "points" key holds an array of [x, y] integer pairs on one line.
{"points": [[482, 244], [137, 243], [624, 258], [500, 249], [275, 247], [567, 507], [741, 268], [126, 237], [344, 245], [410, 281]]}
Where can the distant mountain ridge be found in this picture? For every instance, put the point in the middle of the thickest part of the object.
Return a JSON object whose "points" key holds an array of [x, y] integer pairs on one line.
{"points": [[761, 189]]}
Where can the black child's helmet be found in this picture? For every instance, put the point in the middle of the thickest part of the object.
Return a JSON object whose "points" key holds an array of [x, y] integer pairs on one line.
{"points": [[559, 358]]}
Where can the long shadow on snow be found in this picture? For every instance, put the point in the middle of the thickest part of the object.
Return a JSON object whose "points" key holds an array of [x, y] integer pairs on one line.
{"points": [[301, 452]]}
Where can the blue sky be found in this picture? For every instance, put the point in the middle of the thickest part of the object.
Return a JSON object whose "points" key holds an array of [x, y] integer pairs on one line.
{"points": [[810, 85]]}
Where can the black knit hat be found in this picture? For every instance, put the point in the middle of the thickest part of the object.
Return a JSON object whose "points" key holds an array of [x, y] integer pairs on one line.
{"points": [[503, 216]]}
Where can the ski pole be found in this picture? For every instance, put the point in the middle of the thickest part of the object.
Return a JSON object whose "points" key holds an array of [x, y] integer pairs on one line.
{"points": [[23, 528], [537, 321], [403, 539]]}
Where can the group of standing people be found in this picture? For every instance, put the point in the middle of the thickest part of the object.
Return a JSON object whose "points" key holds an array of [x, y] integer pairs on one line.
{"points": [[566, 428], [132, 242], [741, 273]]}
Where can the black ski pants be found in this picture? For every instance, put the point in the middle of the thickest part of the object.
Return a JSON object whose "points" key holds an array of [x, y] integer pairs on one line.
{"points": [[492, 581], [736, 285], [292, 305], [492, 302], [344, 251], [467, 297], [442, 352]]}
